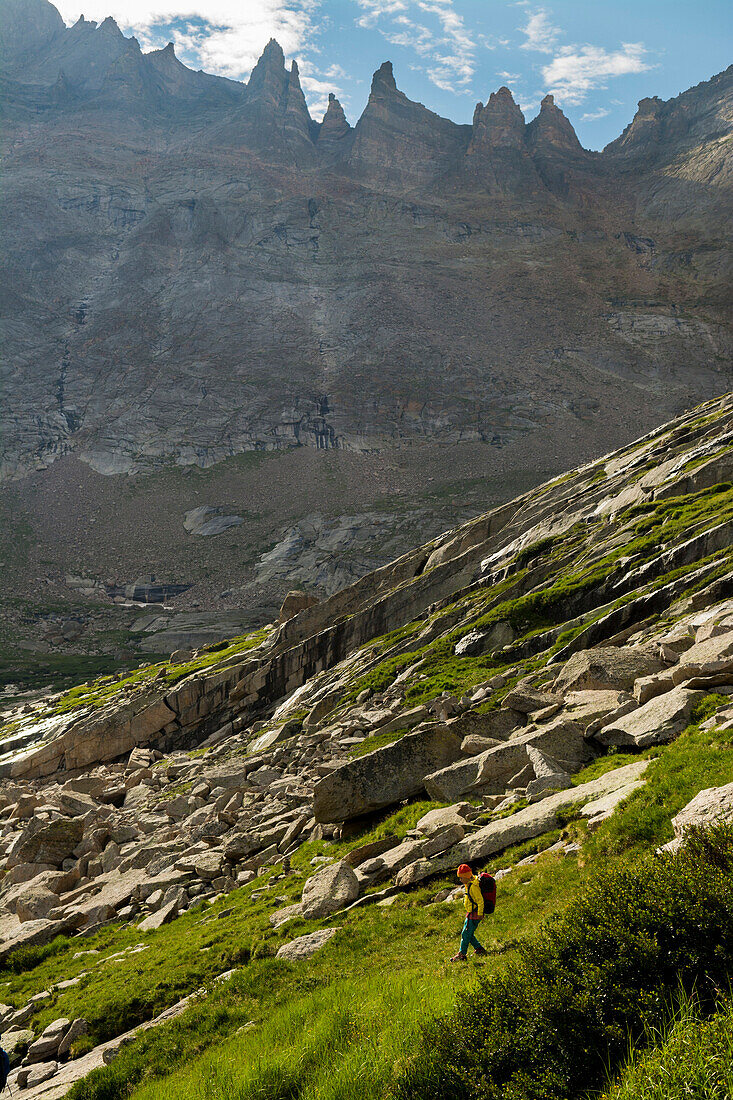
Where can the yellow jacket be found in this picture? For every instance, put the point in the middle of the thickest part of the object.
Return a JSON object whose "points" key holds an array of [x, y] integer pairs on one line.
{"points": [[473, 899]]}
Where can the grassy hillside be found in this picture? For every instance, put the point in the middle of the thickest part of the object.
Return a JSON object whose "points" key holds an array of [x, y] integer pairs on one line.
{"points": [[592, 934], [347, 1023]]}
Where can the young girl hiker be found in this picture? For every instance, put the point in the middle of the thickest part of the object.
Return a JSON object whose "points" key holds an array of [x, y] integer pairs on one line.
{"points": [[473, 902]]}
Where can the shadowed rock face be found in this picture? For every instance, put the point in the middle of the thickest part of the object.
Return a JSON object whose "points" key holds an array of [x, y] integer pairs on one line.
{"points": [[334, 133], [660, 129], [27, 26], [193, 267], [498, 157], [402, 143], [552, 132]]}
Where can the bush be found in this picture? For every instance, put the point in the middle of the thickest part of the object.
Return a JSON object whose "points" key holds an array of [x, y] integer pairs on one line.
{"points": [[553, 1022], [694, 1057], [26, 958]]}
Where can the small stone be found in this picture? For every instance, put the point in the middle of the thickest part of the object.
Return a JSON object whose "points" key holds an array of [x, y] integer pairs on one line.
{"points": [[40, 1073], [305, 946], [163, 916]]}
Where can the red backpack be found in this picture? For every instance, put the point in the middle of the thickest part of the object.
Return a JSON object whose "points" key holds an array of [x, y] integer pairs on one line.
{"points": [[487, 885]]}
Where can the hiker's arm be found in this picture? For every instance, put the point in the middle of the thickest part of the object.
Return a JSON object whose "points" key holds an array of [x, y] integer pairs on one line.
{"points": [[479, 903]]}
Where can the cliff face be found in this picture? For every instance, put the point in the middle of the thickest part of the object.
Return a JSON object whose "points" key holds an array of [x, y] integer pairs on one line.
{"points": [[193, 267]]}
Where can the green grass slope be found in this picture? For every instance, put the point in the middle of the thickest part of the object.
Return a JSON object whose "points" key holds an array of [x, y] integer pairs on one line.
{"points": [[349, 1022], [587, 946]]}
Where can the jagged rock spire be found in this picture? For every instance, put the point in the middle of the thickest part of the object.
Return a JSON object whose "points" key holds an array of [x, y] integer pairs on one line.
{"points": [[497, 153], [274, 116], [401, 141], [109, 26], [298, 121], [334, 134], [335, 125], [643, 132], [552, 131], [269, 76], [499, 123], [383, 80]]}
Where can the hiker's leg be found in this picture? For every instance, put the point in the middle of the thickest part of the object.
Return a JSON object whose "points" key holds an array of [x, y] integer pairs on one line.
{"points": [[472, 938], [466, 935]]}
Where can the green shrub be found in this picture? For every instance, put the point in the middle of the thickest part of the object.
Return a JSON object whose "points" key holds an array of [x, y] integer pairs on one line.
{"points": [[554, 1020], [692, 1058], [26, 958]]}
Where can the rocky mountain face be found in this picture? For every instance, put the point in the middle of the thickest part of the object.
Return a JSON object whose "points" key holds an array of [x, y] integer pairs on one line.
{"points": [[194, 269], [482, 671]]}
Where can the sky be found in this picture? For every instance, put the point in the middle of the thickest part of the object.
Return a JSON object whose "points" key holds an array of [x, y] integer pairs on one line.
{"points": [[597, 57]]}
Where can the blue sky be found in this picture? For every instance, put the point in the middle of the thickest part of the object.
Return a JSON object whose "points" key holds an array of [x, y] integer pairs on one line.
{"points": [[598, 57]]}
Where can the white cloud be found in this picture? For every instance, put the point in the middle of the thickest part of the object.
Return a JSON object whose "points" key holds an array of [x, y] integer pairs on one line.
{"points": [[541, 34], [222, 36], [593, 116], [336, 72], [492, 41], [577, 70], [440, 36], [374, 10]]}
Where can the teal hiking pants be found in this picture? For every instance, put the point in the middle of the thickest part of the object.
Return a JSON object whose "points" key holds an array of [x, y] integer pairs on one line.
{"points": [[468, 936]]}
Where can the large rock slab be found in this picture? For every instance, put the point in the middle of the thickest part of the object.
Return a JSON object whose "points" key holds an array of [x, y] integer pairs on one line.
{"points": [[35, 933], [35, 902], [75, 804], [305, 946], [601, 808], [77, 1028], [371, 850], [607, 667], [490, 772], [37, 1074], [16, 1044], [47, 1044], [413, 873], [586, 707], [209, 520], [714, 804], [526, 824], [386, 775], [329, 890], [50, 844], [648, 687], [499, 724], [434, 820], [549, 775], [294, 603], [164, 915], [655, 723], [38, 748], [524, 699], [113, 731], [712, 658]]}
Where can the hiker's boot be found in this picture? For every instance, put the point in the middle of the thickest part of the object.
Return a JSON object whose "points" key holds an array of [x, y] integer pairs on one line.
{"points": [[459, 958], [481, 951]]}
